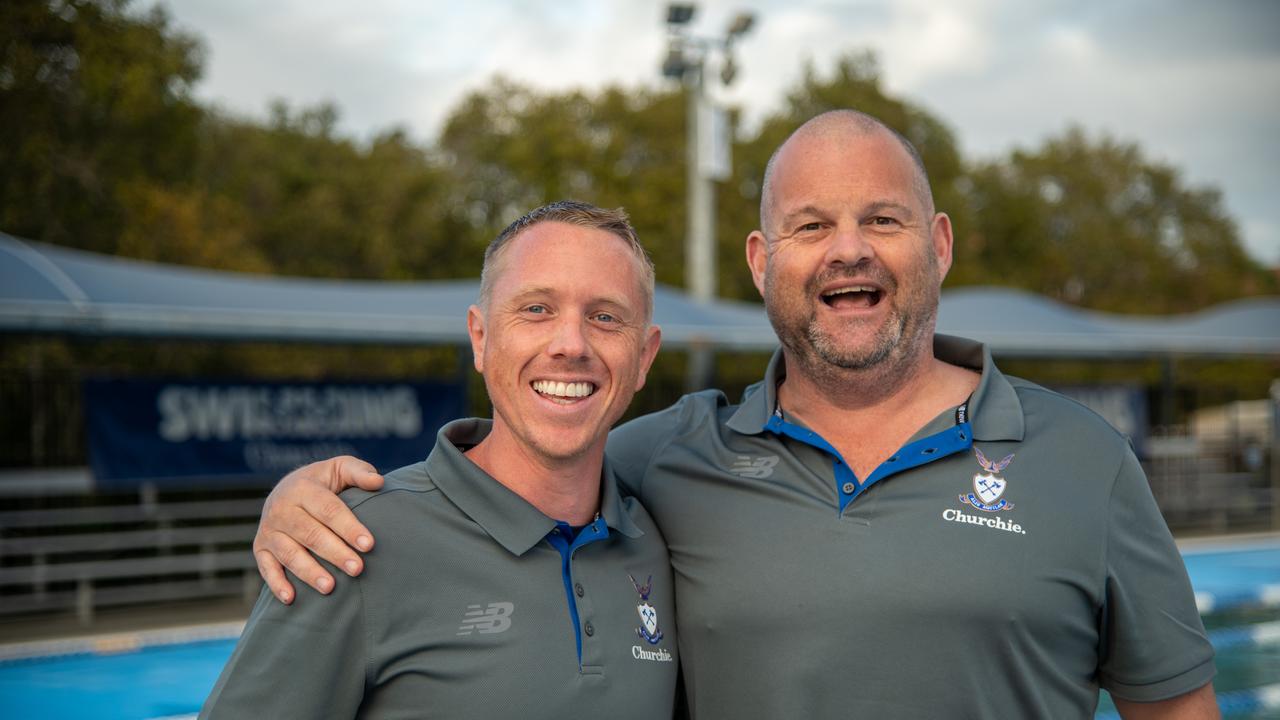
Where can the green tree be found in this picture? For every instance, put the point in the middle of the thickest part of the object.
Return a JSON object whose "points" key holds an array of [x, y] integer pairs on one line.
{"points": [[1093, 222], [511, 148], [95, 112], [314, 204]]}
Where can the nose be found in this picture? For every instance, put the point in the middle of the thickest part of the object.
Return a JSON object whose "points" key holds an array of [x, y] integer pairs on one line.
{"points": [[848, 245], [569, 339]]}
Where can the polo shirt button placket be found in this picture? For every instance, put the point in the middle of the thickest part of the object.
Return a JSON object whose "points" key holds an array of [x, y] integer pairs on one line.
{"points": [[577, 588], [589, 629], [848, 488]]}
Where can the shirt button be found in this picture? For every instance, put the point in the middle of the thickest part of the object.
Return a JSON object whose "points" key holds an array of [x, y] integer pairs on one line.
{"points": [[848, 488], [577, 587], [589, 629]]}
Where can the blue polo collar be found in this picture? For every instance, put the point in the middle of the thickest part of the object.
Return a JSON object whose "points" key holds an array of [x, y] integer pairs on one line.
{"points": [[994, 411]]}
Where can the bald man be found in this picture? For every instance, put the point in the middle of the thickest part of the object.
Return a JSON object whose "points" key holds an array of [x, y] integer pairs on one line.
{"points": [[886, 526]]}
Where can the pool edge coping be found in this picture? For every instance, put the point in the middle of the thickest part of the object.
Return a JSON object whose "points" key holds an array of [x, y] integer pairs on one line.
{"points": [[119, 642]]}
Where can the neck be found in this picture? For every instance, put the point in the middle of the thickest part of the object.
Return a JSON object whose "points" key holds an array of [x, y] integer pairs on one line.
{"points": [[562, 489], [839, 402]]}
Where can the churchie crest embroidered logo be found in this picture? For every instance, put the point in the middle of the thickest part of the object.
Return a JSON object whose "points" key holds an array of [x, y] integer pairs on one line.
{"points": [[988, 487], [648, 630]]}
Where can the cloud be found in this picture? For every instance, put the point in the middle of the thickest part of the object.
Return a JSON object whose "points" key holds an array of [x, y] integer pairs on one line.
{"points": [[1195, 83], [1262, 240]]}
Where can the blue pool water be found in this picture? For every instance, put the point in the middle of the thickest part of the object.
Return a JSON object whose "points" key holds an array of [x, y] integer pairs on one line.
{"points": [[151, 682], [1238, 590], [1245, 576]]}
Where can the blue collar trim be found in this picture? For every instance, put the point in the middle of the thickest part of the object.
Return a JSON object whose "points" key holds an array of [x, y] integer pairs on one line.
{"points": [[958, 438], [566, 539]]}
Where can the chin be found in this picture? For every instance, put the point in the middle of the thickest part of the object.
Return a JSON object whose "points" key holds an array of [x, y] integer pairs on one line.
{"points": [[566, 450]]}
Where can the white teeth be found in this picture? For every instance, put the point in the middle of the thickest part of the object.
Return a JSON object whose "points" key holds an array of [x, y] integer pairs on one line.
{"points": [[563, 389], [851, 289]]}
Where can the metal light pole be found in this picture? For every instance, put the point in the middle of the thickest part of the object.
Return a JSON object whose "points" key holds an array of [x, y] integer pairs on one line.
{"points": [[707, 155]]}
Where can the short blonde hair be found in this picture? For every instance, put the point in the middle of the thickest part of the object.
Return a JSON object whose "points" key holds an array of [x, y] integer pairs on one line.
{"points": [[573, 212]]}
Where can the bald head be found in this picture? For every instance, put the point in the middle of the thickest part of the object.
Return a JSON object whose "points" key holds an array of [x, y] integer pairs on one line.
{"points": [[839, 126]]}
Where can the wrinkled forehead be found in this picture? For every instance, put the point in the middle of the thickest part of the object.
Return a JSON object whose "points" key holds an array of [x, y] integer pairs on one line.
{"points": [[564, 259]]}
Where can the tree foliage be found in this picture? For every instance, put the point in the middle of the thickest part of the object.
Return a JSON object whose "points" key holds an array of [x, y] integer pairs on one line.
{"points": [[510, 148], [105, 149], [1094, 223], [96, 115]]}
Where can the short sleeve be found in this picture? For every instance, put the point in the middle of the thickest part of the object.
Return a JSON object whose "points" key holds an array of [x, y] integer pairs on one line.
{"points": [[305, 660], [632, 446], [1154, 646]]}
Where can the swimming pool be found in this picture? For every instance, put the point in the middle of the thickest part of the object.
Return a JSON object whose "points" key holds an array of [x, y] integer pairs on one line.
{"points": [[167, 674], [162, 674], [1237, 586]]}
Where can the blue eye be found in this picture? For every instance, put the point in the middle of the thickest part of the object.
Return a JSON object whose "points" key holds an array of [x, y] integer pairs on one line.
{"points": [[536, 309], [605, 317]]}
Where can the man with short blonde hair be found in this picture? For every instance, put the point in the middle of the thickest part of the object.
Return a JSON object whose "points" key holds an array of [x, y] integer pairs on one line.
{"points": [[514, 579]]}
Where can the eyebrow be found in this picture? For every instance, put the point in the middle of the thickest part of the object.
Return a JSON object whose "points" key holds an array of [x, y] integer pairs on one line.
{"points": [[548, 291], [875, 207], [792, 216], [889, 205]]}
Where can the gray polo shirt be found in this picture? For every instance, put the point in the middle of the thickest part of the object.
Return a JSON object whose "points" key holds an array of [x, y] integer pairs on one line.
{"points": [[474, 604], [1005, 563]]}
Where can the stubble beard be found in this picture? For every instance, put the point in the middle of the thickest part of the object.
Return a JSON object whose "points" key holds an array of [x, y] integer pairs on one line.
{"points": [[831, 356]]}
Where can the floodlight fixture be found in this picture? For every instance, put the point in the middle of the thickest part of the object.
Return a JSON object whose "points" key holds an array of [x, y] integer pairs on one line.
{"points": [[680, 13], [741, 24], [674, 66]]}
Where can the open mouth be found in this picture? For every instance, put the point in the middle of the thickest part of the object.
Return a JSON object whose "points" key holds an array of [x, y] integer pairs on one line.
{"points": [[564, 393], [853, 296]]}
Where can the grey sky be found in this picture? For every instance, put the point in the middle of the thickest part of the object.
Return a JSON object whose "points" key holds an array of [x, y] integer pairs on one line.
{"points": [[1196, 83]]}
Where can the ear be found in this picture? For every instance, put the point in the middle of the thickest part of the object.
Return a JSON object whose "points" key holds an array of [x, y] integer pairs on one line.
{"points": [[652, 341], [475, 330], [757, 258], [942, 243]]}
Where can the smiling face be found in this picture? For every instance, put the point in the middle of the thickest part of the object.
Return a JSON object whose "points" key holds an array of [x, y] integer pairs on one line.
{"points": [[564, 341], [852, 257]]}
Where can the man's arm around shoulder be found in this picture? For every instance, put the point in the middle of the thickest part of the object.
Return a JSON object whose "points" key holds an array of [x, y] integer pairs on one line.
{"points": [[304, 515]]}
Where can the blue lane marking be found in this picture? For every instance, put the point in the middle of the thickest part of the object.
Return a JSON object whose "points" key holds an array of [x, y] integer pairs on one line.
{"points": [[1260, 634], [1228, 579]]}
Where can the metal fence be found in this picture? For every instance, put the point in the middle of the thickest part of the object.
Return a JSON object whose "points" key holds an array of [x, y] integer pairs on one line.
{"points": [[1220, 483]]}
